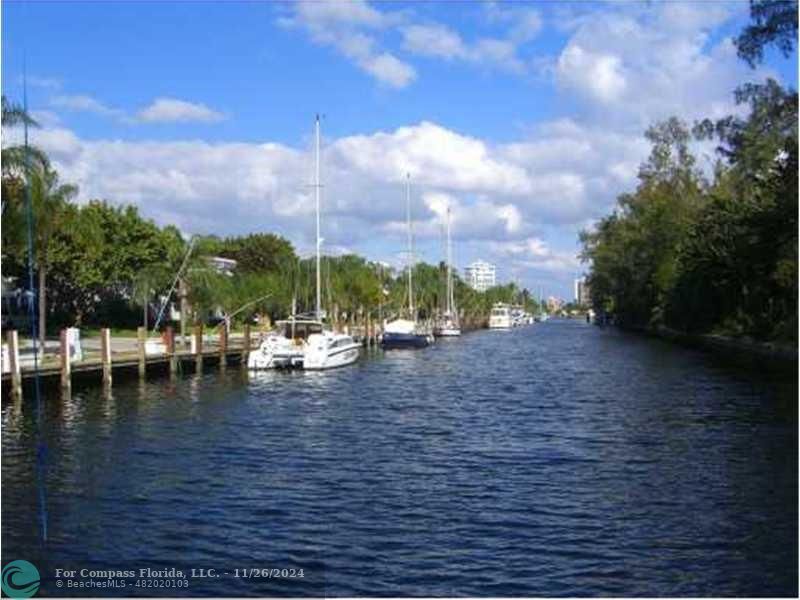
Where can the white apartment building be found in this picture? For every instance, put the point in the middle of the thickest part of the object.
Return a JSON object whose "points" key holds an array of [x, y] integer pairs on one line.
{"points": [[481, 275], [582, 292]]}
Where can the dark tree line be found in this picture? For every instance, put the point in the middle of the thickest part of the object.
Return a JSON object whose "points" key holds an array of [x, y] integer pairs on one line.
{"points": [[712, 255]]}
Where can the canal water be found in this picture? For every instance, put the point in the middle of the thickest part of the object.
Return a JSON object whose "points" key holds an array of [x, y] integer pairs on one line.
{"points": [[555, 460]]}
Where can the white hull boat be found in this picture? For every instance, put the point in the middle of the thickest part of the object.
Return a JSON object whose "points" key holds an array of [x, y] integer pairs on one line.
{"points": [[447, 328], [328, 350], [500, 317], [448, 332], [275, 353], [284, 348]]}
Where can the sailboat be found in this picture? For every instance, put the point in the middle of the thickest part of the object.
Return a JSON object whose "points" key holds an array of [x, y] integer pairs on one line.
{"points": [[302, 340], [326, 349], [449, 325], [407, 333]]}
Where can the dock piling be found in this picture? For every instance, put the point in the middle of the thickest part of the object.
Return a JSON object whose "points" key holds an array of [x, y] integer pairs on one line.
{"points": [[246, 348], [105, 354], [13, 362], [170, 343], [198, 348], [66, 362], [223, 346], [141, 334]]}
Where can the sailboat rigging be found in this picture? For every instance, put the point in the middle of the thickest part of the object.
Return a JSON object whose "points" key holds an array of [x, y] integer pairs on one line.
{"points": [[407, 333], [304, 341], [449, 325]]}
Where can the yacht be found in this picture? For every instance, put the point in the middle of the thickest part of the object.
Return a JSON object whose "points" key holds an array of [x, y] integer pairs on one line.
{"points": [[500, 317], [328, 350], [407, 333], [285, 346], [448, 325]]}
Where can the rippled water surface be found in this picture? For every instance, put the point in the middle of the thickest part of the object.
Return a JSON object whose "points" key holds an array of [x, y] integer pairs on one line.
{"points": [[558, 459]]}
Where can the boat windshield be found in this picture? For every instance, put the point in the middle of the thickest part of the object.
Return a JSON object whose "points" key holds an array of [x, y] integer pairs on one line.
{"points": [[500, 312], [343, 341]]}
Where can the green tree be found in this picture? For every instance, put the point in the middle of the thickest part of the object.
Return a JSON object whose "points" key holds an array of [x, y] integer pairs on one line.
{"points": [[148, 283], [739, 265], [634, 252], [258, 252], [773, 22], [50, 202]]}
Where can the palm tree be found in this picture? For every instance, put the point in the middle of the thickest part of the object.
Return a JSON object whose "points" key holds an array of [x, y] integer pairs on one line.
{"points": [[14, 114], [148, 282], [15, 158], [50, 202]]}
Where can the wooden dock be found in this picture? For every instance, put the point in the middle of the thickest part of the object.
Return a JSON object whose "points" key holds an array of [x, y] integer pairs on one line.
{"points": [[150, 355]]}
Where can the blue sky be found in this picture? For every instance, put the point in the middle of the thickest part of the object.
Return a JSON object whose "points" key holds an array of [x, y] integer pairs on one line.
{"points": [[524, 117]]}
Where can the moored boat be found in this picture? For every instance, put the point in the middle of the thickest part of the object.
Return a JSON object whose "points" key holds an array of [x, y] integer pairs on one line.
{"points": [[328, 350], [500, 317], [407, 333], [284, 347], [403, 333], [448, 325]]}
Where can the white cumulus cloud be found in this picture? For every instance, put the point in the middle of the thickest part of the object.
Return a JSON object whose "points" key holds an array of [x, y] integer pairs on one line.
{"points": [[173, 110]]}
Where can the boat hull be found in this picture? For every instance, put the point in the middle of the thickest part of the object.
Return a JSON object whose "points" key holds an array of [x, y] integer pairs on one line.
{"points": [[275, 353], [447, 332], [260, 361], [405, 340], [332, 359]]}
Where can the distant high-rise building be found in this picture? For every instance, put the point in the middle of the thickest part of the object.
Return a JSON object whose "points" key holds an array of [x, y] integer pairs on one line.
{"points": [[481, 275], [582, 292]]}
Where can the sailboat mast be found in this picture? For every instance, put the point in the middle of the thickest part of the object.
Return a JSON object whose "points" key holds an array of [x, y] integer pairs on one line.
{"points": [[449, 276], [318, 308], [410, 248]]}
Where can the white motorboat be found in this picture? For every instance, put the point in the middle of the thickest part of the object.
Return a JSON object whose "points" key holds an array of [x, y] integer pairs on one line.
{"points": [[328, 350], [285, 346], [500, 317]]}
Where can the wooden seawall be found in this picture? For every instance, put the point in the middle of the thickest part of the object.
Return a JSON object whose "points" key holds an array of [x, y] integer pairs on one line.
{"points": [[149, 355]]}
